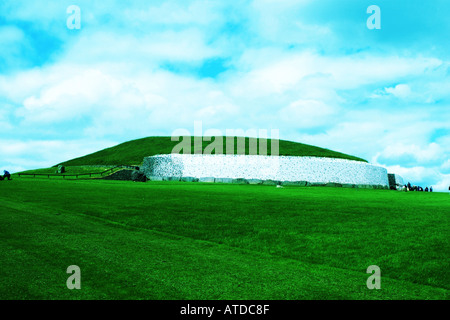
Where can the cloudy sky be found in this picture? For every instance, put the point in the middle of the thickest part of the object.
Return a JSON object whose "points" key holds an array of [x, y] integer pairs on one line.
{"points": [[311, 69]]}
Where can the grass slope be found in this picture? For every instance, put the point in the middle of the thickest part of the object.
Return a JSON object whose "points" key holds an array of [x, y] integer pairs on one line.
{"points": [[217, 241], [72, 170], [133, 152]]}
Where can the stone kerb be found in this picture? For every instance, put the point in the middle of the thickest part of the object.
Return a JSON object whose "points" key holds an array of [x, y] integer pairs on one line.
{"points": [[257, 169]]}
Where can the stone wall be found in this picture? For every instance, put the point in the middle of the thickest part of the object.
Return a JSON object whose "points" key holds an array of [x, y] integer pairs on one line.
{"points": [[124, 174], [395, 181], [127, 175], [283, 168]]}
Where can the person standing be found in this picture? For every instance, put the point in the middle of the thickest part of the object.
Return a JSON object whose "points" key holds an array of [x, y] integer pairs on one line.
{"points": [[6, 175]]}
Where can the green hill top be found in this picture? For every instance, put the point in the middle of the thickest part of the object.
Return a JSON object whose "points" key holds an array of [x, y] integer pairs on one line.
{"points": [[133, 152]]}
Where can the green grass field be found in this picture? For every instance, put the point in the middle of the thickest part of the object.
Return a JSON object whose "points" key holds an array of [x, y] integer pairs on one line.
{"points": [[174, 240]]}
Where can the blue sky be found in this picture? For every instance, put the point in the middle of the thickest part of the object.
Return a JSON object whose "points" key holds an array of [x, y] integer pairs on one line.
{"points": [[311, 69]]}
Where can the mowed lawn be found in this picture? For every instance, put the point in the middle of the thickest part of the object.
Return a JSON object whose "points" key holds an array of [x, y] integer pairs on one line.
{"points": [[175, 240]]}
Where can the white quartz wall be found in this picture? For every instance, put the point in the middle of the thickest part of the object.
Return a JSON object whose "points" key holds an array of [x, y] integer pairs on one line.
{"points": [[282, 168]]}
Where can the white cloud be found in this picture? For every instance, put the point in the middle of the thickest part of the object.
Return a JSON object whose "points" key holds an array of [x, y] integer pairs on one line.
{"points": [[147, 50], [176, 13], [265, 20], [12, 43], [445, 167], [5, 124], [274, 71], [433, 153], [70, 98], [10, 35], [414, 174], [217, 113], [18, 155], [444, 184], [402, 91], [307, 113]]}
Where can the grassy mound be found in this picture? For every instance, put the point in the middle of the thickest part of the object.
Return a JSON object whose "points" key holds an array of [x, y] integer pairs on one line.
{"points": [[133, 152]]}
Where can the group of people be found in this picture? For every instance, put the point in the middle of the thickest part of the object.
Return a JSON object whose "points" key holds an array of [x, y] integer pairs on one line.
{"points": [[6, 175], [408, 187]]}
